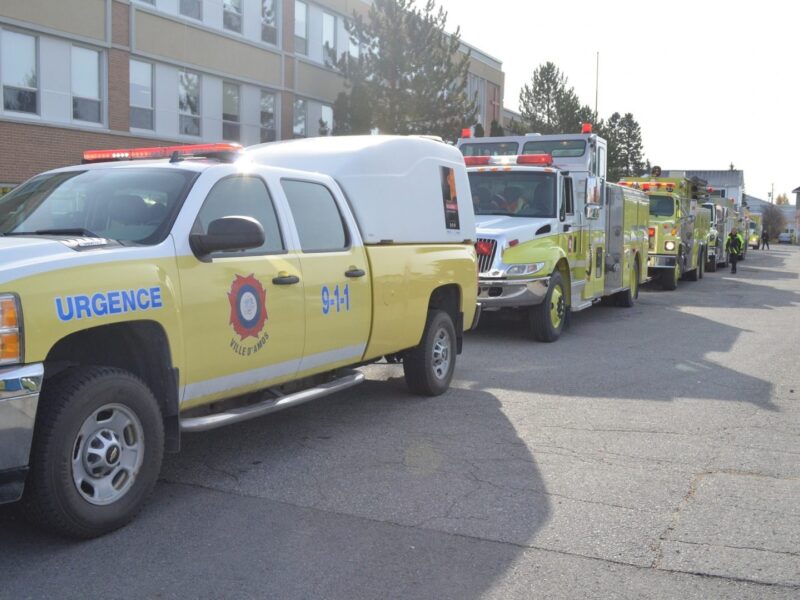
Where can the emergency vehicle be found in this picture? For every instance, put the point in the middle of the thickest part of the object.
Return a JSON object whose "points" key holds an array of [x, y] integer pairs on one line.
{"points": [[755, 230], [678, 228], [723, 220], [553, 236], [140, 299]]}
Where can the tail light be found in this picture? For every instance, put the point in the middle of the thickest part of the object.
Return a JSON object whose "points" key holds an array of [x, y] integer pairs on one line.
{"points": [[651, 231]]}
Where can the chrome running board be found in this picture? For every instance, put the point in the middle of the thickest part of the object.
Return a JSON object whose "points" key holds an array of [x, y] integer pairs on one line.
{"points": [[243, 413]]}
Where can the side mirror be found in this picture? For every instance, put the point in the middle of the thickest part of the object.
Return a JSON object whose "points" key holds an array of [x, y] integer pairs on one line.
{"points": [[228, 234], [592, 212]]}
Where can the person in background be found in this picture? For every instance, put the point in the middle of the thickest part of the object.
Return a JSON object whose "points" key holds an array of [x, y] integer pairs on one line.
{"points": [[734, 245], [765, 239]]}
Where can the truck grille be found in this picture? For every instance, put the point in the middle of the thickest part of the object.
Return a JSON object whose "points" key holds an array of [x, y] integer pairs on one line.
{"points": [[485, 261]]}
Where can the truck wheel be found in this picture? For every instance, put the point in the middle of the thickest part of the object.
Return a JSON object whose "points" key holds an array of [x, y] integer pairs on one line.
{"points": [[429, 367], [669, 279], [712, 265], [96, 454], [547, 319], [627, 298], [701, 264]]}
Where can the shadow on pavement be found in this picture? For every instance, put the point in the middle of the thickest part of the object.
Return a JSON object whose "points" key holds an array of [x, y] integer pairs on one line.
{"points": [[355, 496]]}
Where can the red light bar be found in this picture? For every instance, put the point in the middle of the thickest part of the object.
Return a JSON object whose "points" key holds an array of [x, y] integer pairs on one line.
{"points": [[472, 161], [535, 159], [158, 152], [466, 132], [586, 128], [651, 231]]}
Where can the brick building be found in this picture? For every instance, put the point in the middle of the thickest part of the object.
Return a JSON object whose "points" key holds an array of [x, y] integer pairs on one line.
{"points": [[80, 74]]}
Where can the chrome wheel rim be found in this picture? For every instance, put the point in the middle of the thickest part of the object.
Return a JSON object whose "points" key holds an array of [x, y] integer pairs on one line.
{"points": [[441, 355], [557, 307], [107, 454]]}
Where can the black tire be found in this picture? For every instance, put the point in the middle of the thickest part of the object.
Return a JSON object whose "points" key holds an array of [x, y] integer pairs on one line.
{"points": [[52, 499], [701, 264], [541, 322], [669, 278], [712, 265], [423, 365], [627, 298]]}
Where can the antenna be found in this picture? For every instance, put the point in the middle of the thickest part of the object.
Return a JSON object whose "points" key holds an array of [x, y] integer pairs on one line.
{"points": [[596, 84]]}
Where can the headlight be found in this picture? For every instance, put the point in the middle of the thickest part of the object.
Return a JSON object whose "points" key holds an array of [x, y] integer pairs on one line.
{"points": [[669, 246], [10, 339], [518, 270]]}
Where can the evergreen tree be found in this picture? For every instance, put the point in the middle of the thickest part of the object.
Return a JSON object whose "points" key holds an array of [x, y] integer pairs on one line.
{"points": [[479, 131], [495, 129], [625, 153], [549, 106], [410, 73]]}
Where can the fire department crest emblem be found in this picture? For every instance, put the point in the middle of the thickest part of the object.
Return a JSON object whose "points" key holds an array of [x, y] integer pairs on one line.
{"points": [[248, 300]]}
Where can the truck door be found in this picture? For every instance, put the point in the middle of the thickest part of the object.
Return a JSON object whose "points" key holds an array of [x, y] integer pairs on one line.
{"points": [[570, 240], [615, 239], [336, 278], [596, 239], [243, 324]]}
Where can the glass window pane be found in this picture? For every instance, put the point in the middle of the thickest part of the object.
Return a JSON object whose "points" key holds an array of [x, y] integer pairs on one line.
{"points": [[189, 93], [141, 118], [299, 118], [326, 120], [247, 197], [85, 73], [192, 8], [84, 109], [300, 19], [328, 38], [141, 92], [269, 21], [19, 100], [316, 216], [232, 14], [267, 109], [189, 125], [230, 102], [18, 52]]}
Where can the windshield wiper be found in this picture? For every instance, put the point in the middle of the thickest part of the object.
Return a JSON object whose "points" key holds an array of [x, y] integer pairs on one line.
{"points": [[64, 231]]}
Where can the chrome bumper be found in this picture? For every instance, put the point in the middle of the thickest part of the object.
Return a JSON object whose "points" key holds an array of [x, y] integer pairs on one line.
{"points": [[19, 399], [476, 319], [494, 294], [662, 261]]}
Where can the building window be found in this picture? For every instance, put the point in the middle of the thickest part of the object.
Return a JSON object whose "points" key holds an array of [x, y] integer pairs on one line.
{"points": [[353, 47], [232, 15], [141, 95], [192, 8], [268, 128], [326, 120], [328, 39], [86, 85], [189, 103], [230, 112], [269, 21], [18, 67], [300, 27], [300, 118]]}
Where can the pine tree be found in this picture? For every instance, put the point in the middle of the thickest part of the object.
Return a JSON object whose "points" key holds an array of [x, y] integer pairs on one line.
{"points": [[495, 129], [549, 106], [410, 72]]}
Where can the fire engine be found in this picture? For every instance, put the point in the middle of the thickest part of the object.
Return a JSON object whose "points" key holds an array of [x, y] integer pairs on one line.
{"points": [[678, 229], [755, 230], [553, 236], [723, 220]]}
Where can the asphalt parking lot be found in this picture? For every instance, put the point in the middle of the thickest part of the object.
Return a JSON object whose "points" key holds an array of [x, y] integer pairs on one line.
{"points": [[652, 452]]}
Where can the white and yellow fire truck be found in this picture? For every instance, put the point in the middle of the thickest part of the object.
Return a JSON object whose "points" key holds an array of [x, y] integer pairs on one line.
{"points": [[144, 298], [723, 219], [678, 229], [553, 236]]}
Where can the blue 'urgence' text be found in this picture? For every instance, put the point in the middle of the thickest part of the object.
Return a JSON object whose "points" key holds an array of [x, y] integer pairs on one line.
{"points": [[102, 304]]}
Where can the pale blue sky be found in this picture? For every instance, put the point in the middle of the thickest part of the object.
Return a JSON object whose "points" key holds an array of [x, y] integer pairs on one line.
{"points": [[710, 82]]}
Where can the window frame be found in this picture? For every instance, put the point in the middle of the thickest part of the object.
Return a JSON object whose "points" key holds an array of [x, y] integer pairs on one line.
{"points": [[277, 8], [36, 64], [251, 251], [325, 58], [348, 237], [275, 113], [330, 125], [238, 122], [152, 107], [199, 114], [199, 3], [304, 52], [305, 118], [100, 85]]}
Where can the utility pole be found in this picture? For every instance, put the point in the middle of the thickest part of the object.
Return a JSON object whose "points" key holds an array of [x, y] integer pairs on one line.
{"points": [[596, 85], [772, 193]]}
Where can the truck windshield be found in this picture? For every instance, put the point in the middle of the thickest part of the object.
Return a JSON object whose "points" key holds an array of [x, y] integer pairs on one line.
{"points": [[555, 148], [662, 206], [134, 205], [753, 225], [490, 149], [514, 193]]}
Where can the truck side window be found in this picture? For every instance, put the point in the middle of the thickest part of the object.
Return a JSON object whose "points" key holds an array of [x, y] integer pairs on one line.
{"points": [[569, 202], [242, 196], [319, 223]]}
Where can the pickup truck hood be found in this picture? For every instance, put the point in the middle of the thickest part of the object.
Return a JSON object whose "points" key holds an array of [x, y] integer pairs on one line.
{"points": [[511, 228]]}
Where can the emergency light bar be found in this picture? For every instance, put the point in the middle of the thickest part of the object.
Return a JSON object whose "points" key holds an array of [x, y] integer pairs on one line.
{"points": [[539, 160], [159, 152]]}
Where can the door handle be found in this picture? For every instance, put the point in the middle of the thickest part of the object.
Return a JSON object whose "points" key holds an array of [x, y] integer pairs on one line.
{"points": [[285, 279], [354, 272]]}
